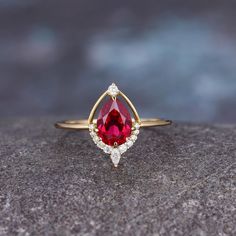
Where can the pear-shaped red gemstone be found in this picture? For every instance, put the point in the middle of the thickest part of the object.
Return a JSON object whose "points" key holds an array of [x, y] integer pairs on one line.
{"points": [[114, 122]]}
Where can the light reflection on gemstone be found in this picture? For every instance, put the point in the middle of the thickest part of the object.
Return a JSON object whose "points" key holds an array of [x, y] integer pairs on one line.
{"points": [[114, 122]]}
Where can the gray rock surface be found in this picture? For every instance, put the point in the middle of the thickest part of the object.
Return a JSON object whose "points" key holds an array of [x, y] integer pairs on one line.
{"points": [[177, 180]]}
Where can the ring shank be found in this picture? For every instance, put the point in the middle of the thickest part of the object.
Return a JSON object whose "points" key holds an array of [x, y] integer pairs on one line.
{"points": [[83, 124]]}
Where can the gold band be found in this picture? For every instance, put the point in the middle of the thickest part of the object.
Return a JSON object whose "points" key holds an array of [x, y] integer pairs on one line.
{"points": [[83, 124]]}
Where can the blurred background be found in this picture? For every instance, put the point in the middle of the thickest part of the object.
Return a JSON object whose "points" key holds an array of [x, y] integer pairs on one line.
{"points": [[174, 59]]}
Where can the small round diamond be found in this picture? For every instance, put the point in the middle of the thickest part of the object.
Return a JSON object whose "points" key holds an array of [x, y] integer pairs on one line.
{"points": [[107, 149], [137, 126], [136, 132], [113, 90], [96, 139], [93, 134], [91, 127], [129, 144], [101, 144], [133, 138], [122, 148]]}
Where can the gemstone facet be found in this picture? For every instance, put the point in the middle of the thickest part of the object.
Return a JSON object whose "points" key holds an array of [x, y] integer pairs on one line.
{"points": [[114, 123], [115, 156]]}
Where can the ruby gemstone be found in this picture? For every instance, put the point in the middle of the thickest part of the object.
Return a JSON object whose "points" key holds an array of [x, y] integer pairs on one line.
{"points": [[114, 122]]}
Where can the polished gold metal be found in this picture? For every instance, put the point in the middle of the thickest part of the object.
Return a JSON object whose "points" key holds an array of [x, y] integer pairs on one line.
{"points": [[95, 107], [136, 116], [84, 124]]}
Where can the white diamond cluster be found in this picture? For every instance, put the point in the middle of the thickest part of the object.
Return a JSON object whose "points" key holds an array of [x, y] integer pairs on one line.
{"points": [[131, 140], [113, 90], [115, 152], [98, 141]]}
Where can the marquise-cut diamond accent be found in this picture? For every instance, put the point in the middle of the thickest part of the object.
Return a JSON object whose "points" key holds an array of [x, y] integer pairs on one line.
{"points": [[113, 90], [115, 156]]}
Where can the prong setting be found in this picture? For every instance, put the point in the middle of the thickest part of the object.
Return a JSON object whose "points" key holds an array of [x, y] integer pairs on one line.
{"points": [[113, 90]]}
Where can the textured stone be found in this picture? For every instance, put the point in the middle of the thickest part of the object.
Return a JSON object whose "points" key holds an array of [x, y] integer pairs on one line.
{"points": [[177, 180]]}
